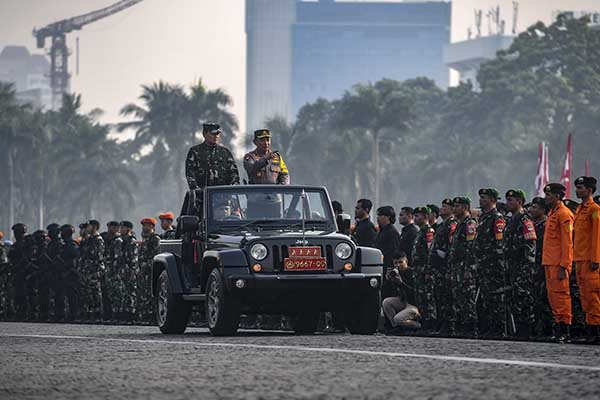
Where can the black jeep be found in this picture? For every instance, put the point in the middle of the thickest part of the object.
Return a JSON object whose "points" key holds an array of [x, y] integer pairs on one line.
{"points": [[264, 249]]}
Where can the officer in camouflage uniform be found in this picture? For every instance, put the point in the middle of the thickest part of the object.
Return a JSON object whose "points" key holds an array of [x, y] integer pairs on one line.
{"points": [[128, 271], [519, 252], [491, 267], [543, 315], [36, 272], [463, 271], [68, 280], [5, 279], [18, 259], [263, 165], [148, 249], [110, 285], [438, 260], [91, 271], [209, 163], [424, 281]]}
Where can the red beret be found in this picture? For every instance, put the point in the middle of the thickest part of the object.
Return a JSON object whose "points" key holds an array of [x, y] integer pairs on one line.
{"points": [[167, 215], [148, 221]]}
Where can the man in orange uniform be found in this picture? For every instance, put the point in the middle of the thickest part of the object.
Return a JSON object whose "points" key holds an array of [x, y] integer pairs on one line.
{"points": [[557, 258], [586, 255]]}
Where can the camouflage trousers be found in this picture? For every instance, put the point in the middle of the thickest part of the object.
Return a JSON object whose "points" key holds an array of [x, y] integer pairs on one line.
{"points": [[442, 289], [543, 319], [494, 295], [521, 299], [145, 304], [91, 291], [425, 293], [67, 287], [114, 292], [6, 297], [464, 299], [578, 314]]}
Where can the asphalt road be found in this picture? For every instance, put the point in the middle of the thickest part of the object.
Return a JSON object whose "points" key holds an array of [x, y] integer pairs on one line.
{"points": [[51, 361]]}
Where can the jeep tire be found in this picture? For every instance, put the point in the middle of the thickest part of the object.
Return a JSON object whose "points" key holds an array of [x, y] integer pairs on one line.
{"points": [[222, 309], [363, 318], [172, 312], [305, 322]]}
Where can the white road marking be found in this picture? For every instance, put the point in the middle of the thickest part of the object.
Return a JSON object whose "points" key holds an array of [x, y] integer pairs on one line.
{"points": [[521, 363]]}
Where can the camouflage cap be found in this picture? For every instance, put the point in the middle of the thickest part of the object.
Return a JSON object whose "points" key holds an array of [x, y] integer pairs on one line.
{"points": [[492, 192], [422, 210], [516, 193], [461, 200], [262, 133]]}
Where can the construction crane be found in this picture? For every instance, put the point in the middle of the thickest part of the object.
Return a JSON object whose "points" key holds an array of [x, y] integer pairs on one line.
{"points": [[59, 53]]}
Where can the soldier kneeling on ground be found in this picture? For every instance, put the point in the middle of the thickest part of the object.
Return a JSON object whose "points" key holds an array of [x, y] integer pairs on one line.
{"points": [[402, 316]]}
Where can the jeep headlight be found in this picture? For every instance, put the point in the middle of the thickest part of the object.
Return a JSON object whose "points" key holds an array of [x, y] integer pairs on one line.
{"points": [[259, 252], [343, 251]]}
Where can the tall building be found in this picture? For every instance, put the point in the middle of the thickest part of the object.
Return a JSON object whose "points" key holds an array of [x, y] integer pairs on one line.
{"points": [[298, 51], [29, 74]]}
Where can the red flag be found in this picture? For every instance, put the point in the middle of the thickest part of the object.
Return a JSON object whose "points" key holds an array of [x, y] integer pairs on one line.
{"points": [[587, 167], [542, 178], [565, 177]]}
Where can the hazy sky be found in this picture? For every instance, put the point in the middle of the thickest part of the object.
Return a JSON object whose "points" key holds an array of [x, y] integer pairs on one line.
{"points": [[180, 41]]}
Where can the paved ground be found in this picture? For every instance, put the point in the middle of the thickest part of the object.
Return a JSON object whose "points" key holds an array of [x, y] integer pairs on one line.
{"points": [[49, 361]]}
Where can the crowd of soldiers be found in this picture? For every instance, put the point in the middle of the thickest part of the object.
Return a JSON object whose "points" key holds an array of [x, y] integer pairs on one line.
{"points": [[51, 275], [514, 269]]}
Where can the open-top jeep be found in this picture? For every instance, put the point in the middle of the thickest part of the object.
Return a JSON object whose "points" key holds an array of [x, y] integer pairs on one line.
{"points": [[264, 249]]}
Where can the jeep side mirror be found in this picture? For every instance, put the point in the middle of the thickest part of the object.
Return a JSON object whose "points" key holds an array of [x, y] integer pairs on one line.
{"points": [[188, 223]]}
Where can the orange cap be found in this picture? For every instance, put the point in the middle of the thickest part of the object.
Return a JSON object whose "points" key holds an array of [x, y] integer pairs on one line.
{"points": [[167, 215], [1, 235], [148, 221]]}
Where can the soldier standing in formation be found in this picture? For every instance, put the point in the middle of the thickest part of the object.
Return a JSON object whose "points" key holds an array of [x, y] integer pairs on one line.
{"points": [[586, 254], [491, 269], [91, 271], [128, 271], [409, 232], [209, 163], [110, 286], [423, 280], [364, 232], [68, 285], [438, 261], [557, 258], [148, 249], [463, 271], [5, 278], [543, 315], [166, 223], [519, 253]]}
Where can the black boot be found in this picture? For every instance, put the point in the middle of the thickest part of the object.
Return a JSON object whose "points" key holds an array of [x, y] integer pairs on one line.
{"points": [[561, 333], [592, 335]]}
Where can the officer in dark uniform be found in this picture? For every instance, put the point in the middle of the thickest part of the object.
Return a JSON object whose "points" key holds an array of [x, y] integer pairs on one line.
{"points": [[47, 273], [543, 315], [68, 285], [18, 260], [209, 163], [364, 232]]}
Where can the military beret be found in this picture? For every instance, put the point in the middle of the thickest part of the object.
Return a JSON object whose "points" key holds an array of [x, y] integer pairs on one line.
{"points": [[447, 202], [262, 133], [53, 227], [461, 200], [588, 181], [113, 223], [148, 221], [422, 210], [540, 201], [167, 215], [571, 204], [1, 235], [555, 188], [19, 226], [433, 208], [66, 226], [127, 224], [492, 192], [517, 193], [597, 199], [93, 222], [83, 225], [211, 128]]}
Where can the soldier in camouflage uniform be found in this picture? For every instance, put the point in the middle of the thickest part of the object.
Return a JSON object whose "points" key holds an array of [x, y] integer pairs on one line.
{"points": [[5, 279], [110, 284], [36, 272], [438, 260], [491, 267], [424, 281], [209, 163], [463, 271], [519, 253], [91, 270], [148, 249], [128, 271]]}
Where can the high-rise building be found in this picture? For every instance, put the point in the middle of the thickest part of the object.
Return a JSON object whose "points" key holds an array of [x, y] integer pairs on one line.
{"points": [[298, 51], [29, 75]]}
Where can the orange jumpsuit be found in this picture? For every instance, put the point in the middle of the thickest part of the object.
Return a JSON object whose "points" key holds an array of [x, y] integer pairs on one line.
{"points": [[586, 252], [558, 253]]}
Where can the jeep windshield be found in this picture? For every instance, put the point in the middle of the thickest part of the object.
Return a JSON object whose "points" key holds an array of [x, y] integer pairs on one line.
{"points": [[268, 207]]}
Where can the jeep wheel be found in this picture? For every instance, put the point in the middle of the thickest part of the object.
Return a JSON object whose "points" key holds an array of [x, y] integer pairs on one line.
{"points": [[305, 322], [222, 310], [172, 312], [362, 319]]}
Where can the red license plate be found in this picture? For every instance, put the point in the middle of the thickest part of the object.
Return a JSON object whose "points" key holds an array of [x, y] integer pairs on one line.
{"points": [[306, 251], [305, 264]]}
